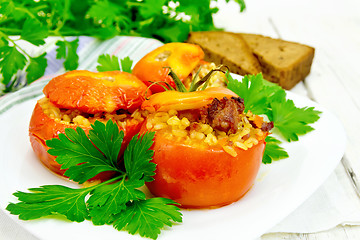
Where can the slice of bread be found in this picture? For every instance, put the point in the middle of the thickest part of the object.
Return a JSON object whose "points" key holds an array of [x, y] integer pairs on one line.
{"points": [[227, 49], [282, 62]]}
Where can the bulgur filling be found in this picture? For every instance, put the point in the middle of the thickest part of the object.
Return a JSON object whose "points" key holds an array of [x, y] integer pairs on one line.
{"points": [[74, 116], [193, 127], [217, 79]]}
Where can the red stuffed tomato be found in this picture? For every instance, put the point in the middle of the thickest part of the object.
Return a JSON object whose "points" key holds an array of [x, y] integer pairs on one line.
{"points": [[183, 58], [78, 99], [207, 154]]}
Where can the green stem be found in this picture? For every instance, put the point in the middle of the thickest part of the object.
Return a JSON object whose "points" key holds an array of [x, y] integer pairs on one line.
{"points": [[123, 176], [17, 46], [204, 80], [179, 85], [25, 10], [62, 20], [13, 30]]}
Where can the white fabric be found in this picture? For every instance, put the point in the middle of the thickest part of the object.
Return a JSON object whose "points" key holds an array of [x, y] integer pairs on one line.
{"points": [[333, 204]]}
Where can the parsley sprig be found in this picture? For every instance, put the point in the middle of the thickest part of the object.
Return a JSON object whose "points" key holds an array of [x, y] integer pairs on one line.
{"points": [[109, 62], [263, 97], [33, 21], [118, 201]]}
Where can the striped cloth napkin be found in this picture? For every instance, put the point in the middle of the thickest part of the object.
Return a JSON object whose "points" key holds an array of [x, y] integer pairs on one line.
{"points": [[89, 50]]}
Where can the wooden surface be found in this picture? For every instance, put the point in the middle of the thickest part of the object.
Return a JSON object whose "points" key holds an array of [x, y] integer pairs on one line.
{"points": [[333, 28]]}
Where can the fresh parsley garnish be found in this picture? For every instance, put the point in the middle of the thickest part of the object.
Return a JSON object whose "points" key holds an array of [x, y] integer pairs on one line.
{"points": [[273, 151], [292, 121], [117, 201], [109, 62], [34, 21], [263, 97]]}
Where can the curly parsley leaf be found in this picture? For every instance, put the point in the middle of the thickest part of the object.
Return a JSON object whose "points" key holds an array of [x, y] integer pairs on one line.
{"points": [[273, 151], [111, 63], [147, 217], [118, 201]]}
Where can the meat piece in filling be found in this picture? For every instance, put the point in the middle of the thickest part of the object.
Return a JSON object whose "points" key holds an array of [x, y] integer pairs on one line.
{"points": [[224, 114]]}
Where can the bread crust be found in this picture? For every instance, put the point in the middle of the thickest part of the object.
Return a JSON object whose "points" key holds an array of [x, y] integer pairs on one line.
{"points": [[283, 62], [227, 49]]}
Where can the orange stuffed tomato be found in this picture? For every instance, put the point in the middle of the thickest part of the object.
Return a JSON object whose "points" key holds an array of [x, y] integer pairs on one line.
{"points": [[182, 58], [79, 98], [207, 152]]}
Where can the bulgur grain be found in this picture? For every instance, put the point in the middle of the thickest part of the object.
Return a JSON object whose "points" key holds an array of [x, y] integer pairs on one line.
{"points": [[200, 134], [74, 116]]}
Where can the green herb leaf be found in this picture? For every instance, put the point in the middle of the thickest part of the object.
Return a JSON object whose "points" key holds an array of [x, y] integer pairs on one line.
{"points": [[67, 50], [34, 32], [137, 158], [263, 97], [11, 62], [175, 32], [292, 121], [108, 140], [111, 63], [108, 63], [49, 200], [147, 217], [152, 7], [250, 90], [77, 153], [35, 20], [108, 200], [273, 151], [118, 201], [105, 12], [36, 68], [126, 64]]}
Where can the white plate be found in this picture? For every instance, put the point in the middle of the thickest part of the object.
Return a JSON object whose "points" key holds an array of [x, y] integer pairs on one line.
{"points": [[280, 187]]}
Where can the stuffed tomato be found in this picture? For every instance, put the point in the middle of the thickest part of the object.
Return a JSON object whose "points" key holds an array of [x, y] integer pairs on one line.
{"points": [[184, 59], [79, 98], [207, 149]]}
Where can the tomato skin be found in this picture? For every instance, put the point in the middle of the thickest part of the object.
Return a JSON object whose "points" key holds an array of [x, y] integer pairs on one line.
{"points": [[202, 177], [165, 101], [181, 57], [88, 92], [93, 92]]}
